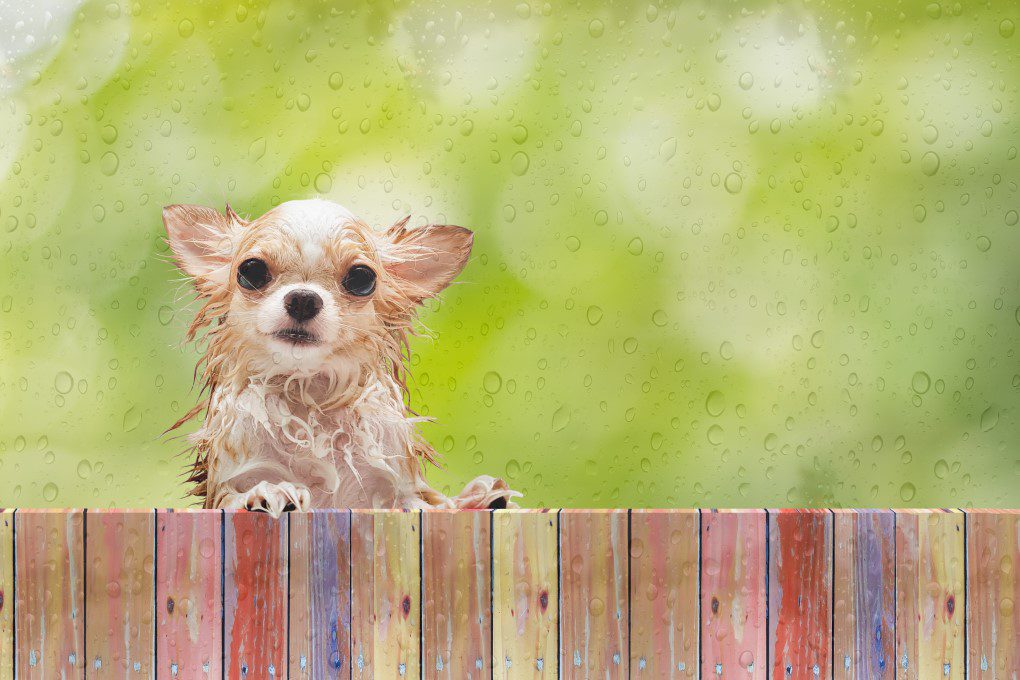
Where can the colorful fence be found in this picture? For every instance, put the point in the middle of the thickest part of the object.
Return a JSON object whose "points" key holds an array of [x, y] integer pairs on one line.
{"points": [[510, 594]]}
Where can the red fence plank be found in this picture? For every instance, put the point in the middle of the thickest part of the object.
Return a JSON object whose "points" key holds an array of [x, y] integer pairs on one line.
{"points": [[119, 593], [993, 594], [864, 617], [49, 613], [733, 594], [594, 594], [255, 595], [457, 620], [800, 593], [320, 594], [664, 575], [525, 594], [6, 594], [385, 594], [930, 597], [189, 594]]}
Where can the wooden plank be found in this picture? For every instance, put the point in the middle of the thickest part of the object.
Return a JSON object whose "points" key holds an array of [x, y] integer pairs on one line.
{"points": [[320, 594], [864, 616], [594, 602], [733, 594], [457, 623], [993, 594], [255, 595], [664, 575], [120, 593], [50, 596], [929, 595], [189, 594], [6, 594], [525, 594], [385, 593], [800, 593]]}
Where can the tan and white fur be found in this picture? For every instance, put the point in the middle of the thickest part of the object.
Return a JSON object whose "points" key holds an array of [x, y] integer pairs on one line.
{"points": [[304, 381]]}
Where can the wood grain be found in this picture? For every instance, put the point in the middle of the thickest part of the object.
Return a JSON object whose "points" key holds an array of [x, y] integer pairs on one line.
{"points": [[733, 594], [49, 613], [120, 593], [525, 594], [929, 595], [255, 595], [594, 600], [6, 594], [864, 616], [800, 593], [189, 594], [664, 581], [385, 594], [993, 594], [320, 594], [457, 622]]}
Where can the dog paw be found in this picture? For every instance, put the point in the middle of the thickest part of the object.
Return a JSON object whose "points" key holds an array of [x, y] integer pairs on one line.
{"points": [[275, 499], [486, 492]]}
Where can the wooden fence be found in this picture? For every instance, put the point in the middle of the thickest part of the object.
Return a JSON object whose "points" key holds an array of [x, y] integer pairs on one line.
{"points": [[747, 594]]}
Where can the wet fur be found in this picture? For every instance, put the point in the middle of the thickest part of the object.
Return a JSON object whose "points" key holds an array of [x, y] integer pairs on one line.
{"points": [[331, 419]]}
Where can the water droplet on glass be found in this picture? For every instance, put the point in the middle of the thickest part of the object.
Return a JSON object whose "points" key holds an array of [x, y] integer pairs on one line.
{"points": [[63, 382], [491, 382], [907, 492], [920, 382]]}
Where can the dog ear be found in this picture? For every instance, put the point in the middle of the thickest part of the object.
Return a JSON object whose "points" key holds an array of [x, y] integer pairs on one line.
{"points": [[202, 241], [425, 260]]}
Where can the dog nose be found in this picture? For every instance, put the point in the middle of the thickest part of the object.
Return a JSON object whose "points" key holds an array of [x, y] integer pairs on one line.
{"points": [[302, 305]]}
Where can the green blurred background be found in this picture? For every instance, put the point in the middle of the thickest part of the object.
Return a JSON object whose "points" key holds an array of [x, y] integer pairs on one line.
{"points": [[727, 254]]}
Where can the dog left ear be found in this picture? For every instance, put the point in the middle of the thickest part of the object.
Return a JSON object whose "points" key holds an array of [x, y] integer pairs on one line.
{"points": [[202, 241], [425, 260]]}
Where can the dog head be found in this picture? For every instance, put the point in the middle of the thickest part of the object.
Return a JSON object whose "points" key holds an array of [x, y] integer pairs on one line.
{"points": [[308, 288]]}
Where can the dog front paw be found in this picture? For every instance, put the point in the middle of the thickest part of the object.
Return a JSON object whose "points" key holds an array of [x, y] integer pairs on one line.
{"points": [[275, 499], [486, 492]]}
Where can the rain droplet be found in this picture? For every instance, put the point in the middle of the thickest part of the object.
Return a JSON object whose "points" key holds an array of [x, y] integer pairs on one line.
{"points": [[907, 492], [594, 315], [733, 183], [596, 28], [84, 469], [1006, 28], [50, 492], [560, 419], [109, 163], [519, 163], [667, 149], [983, 243], [920, 382], [989, 418], [930, 163], [185, 28], [63, 382], [165, 315], [636, 246], [336, 80], [132, 418], [323, 183], [715, 404], [746, 80], [941, 468], [491, 382]]}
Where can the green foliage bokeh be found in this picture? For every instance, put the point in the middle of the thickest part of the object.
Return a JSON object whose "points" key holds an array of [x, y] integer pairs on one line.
{"points": [[727, 254]]}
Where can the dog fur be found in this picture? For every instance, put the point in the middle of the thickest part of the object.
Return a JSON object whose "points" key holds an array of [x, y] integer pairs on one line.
{"points": [[312, 414]]}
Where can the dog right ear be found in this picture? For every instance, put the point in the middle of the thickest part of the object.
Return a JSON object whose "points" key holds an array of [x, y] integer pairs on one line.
{"points": [[203, 242]]}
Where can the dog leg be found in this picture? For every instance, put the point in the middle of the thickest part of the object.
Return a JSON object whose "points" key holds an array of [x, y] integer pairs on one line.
{"points": [[486, 492], [273, 499]]}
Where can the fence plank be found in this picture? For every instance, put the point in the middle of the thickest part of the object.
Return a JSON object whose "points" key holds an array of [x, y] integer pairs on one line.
{"points": [[525, 594], [664, 574], [255, 595], [929, 594], [993, 594], [733, 594], [189, 594], [119, 593], [800, 593], [594, 602], [6, 594], [320, 594], [385, 593], [50, 596], [864, 613], [457, 622]]}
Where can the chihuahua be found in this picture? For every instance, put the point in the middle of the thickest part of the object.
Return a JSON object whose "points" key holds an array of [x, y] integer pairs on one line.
{"points": [[306, 317]]}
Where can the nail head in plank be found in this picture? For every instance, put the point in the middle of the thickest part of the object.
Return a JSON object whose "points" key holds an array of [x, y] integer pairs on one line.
{"points": [[189, 594], [119, 593], [664, 572], [386, 593], [457, 622], [929, 595], [993, 594], [50, 609], [255, 595], [733, 594], [320, 594], [864, 642], [6, 594], [594, 602], [525, 594]]}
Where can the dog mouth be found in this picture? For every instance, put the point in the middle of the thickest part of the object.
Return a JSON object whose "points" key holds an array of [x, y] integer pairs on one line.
{"points": [[296, 336]]}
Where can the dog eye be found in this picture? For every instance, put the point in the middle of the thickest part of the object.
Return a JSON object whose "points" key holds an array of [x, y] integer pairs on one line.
{"points": [[359, 280], [253, 274]]}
